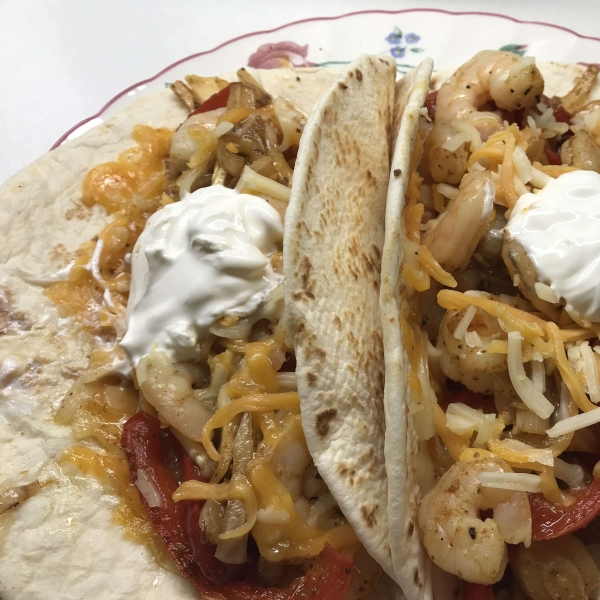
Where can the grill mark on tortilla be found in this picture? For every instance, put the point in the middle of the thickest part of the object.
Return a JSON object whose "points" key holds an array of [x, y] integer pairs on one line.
{"points": [[369, 515], [324, 420]]}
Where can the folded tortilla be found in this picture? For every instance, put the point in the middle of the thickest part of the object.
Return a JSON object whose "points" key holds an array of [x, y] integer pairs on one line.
{"points": [[61, 542], [408, 463]]}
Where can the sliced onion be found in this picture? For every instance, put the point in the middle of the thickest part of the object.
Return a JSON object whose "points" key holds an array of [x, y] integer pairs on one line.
{"points": [[148, 490]]}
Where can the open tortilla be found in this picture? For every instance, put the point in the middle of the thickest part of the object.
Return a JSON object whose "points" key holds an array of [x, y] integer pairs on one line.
{"points": [[62, 542], [408, 465]]}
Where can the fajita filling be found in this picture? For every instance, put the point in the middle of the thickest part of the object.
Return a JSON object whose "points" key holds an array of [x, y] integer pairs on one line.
{"points": [[503, 207], [203, 405]]}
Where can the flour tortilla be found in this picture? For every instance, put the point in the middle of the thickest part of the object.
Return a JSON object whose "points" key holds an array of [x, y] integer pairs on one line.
{"points": [[415, 572], [61, 543], [334, 231]]}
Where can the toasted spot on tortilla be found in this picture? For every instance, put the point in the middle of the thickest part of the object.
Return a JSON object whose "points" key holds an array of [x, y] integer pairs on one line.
{"points": [[337, 321], [324, 419], [342, 85], [11, 321], [359, 75], [417, 577], [312, 379], [369, 516]]}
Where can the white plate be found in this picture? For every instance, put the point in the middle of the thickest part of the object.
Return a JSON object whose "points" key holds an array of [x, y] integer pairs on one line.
{"points": [[408, 35]]}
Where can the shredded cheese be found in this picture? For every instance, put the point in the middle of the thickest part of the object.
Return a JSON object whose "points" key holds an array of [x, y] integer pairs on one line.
{"points": [[433, 267], [463, 326], [517, 452], [518, 482], [545, 292], [524, 387], [571, 424], [590, 372], [567, 373]]}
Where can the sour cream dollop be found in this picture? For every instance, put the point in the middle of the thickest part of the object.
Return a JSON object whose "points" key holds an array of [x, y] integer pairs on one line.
{"points": [[559, 229], [196, 261]]}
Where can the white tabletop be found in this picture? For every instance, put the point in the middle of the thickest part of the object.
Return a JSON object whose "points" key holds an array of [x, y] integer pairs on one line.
{"points": [[61, 60]]}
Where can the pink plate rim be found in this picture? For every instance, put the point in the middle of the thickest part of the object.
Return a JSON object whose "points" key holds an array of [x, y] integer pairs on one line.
{"points": [[309, 20]]}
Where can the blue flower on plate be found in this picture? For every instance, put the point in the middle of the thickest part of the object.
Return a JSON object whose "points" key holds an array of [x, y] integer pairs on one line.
{"points": [[398, 51], [412, 38], [394, 37]]}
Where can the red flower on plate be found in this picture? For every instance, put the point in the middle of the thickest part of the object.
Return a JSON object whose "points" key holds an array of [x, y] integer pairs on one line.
{"points": [[282, 54]]}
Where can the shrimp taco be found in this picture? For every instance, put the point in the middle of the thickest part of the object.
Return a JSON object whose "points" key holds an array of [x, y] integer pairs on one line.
{"points": [[491, 316], [192, 390]]}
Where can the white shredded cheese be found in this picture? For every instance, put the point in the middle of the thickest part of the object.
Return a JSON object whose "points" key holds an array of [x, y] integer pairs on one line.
{"points": [[486, 429], [532, 125], [148, 490], [472, 339], [538, 179], [470, 131], [518, 482], [448, 191], [529, 394], [522, 164], [456, 141], [463, 326], [223, 127], [545, 292], [516, 280], [590, 372], [570, 424]]}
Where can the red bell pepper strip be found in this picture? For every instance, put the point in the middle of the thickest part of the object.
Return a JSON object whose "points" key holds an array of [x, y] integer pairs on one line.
{"points": [[430, 103], [549, 520], [147, 448], [553, 158], [218, 100], [476, 591]]}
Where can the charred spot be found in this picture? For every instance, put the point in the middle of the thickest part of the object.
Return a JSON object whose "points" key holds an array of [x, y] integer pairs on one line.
{"points": [[312, 379], [376, 251], [526, 91], [417, 578], [297, 78], [324, 419], [472, 533], [369, 515], [337, 321], [370, 175], [342, 85], [397, 172], [468, 87], [512, 91], [359, 75]]}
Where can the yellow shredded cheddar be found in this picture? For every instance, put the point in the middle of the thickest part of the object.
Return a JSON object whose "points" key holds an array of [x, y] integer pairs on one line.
{"points": [[433, 267]]}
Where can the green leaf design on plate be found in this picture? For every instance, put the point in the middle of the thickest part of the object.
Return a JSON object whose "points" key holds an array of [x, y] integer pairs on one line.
{"points": [[398, 31], [416, 50], [519, 49]]}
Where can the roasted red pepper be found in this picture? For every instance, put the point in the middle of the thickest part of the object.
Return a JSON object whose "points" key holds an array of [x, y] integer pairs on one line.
{"points": [[218, 100], [549, 520], [430, 102], [151, 449], [553, 158], [476, 591]]}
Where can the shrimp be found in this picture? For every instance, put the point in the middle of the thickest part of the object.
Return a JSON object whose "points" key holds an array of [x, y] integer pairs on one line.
{"points": [[473, 366], [169, 390], [184, 145], [519, 264], [454, 534], [511, 81], [581, 151], [443, 165], [457, 231]]}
